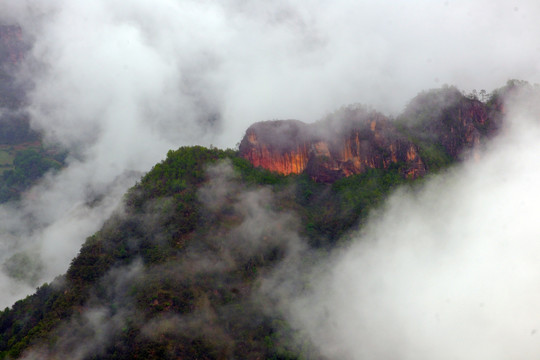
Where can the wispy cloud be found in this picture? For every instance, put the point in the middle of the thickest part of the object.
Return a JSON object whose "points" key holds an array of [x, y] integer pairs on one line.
{"points": [[449, 271], [119, 84]]}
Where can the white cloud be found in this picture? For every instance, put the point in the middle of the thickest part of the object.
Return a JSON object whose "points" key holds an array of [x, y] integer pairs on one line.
{"points": [[450, 271], [119, 83]]}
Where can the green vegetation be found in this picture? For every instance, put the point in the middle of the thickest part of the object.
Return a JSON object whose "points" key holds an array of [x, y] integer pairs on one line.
{"points": [[164, 225], [23, 266], [434, 155], [23, 159], [257, 176], [442, 123], [330, 210], [21, 169], [6, 158], [174, 274], [426, 108]]}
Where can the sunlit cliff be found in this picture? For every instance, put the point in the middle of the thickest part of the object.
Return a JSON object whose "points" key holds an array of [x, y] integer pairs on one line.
{"points": [[355, 139]]}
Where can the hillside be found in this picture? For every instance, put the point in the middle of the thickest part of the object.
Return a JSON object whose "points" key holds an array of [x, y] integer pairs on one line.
{"points": [[182, 269], [24, 159]]}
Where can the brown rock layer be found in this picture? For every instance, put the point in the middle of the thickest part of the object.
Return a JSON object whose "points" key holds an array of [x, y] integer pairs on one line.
{"points": [[280, 146], [328, 153], [447, 118], [354, 139], [462, 129]]}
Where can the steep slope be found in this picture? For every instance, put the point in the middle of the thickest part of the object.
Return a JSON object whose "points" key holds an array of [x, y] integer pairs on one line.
{"points": [[181, 270], [177, 272], [23, 157], [280, 146], [451, 120]]}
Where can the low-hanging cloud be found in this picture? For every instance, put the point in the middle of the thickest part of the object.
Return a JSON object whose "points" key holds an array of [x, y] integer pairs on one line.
{"points": [[119, 83], [93, 329], [258, 227], [448, 271], [210, 267]]}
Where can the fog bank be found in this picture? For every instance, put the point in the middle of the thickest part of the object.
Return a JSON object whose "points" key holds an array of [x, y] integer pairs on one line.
{"points": [[119, 83], [449, 271]]}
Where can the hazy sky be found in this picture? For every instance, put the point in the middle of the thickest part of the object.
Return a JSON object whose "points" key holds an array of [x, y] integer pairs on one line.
{"points": [[120, 82], [171, 64], [448, 272]]}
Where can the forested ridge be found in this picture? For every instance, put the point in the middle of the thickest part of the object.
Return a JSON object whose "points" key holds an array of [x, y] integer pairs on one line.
{"points": [[176, 272], [162, 225], [24, 157]]}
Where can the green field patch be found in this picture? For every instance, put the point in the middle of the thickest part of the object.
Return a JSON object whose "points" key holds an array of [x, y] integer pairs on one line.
{"points": [[6, 158]]}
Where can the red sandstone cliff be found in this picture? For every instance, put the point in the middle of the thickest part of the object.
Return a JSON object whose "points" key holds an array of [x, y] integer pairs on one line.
{"points": [[280, 146], [354, 139], [328, 152]]}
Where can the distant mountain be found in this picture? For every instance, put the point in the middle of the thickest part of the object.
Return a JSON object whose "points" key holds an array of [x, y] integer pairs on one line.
{"points": [[12, 52], [23, 157], [183, 269]]}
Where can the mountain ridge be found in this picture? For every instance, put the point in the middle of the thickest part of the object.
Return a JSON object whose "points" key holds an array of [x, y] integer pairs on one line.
{"points": [[177, 271], [355, 139]]}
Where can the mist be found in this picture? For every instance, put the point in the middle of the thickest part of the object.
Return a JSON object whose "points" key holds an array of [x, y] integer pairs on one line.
{"points": [[449, 270], [182, 291], [118, 84]]}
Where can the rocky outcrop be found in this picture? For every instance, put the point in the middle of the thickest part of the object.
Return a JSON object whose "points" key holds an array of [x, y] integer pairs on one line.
{"points": [[368, 144], [448, 118], [463, 127], [328, 151], [354, 140], [280, 146]]}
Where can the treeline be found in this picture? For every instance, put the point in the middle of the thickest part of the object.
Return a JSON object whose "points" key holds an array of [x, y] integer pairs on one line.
{"points": [[28, 166], [167, 273], [165, 225]]}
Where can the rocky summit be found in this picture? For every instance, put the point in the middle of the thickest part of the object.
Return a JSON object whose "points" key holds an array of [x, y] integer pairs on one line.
{"points": [[355, 139]]}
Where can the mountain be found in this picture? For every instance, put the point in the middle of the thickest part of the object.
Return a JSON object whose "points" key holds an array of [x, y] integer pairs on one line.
{"points": [[354, 139], [12, 53], [24, 159], [370, 141], [192, 265]]}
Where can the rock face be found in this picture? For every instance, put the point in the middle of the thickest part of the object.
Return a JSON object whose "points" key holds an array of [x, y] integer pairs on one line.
{"points": [[280, 146], [354, 140], [450, 119], [463, 127], [328, 151]]}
